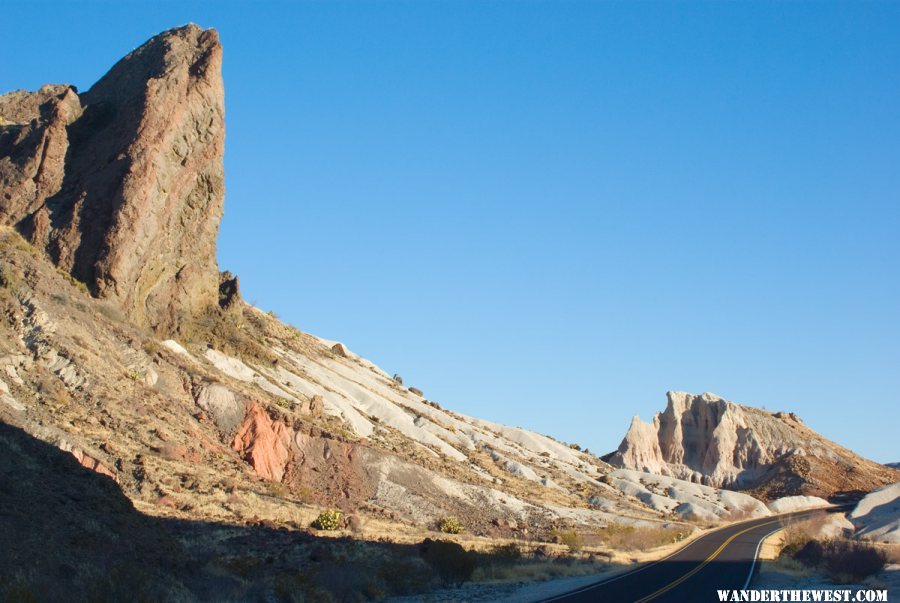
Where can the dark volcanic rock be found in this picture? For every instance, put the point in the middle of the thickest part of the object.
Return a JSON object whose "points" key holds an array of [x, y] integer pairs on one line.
{"points": [[123, 185]]}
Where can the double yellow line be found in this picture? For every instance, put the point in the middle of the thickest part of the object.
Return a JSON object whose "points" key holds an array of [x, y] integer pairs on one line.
{"points": [[714, 554]]}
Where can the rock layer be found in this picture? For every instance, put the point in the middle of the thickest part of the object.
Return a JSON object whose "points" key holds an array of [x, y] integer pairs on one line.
{"points": [[123, 185], [709, 440]]}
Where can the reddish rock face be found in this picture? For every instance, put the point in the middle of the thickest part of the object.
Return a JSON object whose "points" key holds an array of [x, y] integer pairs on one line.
{"points": [[91, 463], [263, 443], [123, 185]]}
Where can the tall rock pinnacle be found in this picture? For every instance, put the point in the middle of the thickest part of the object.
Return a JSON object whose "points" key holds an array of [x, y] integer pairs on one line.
{"points": [[123, 185]]}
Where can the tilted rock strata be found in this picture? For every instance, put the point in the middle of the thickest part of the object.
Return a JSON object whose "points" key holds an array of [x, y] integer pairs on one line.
{"points": [[123, 185]]}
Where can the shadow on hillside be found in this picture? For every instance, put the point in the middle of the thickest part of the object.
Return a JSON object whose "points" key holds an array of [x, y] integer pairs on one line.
{"points": [[70, 534]]}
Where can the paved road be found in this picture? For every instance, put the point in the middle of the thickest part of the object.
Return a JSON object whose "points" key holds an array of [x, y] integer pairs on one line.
{"points": [[724, 558]]}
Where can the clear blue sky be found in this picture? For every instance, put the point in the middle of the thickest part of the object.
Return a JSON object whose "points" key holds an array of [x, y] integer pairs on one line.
{"points": [[548, 214]]}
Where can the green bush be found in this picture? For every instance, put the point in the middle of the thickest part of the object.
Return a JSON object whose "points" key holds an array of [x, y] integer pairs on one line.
{"points": [[449, 525], [328, 520]]}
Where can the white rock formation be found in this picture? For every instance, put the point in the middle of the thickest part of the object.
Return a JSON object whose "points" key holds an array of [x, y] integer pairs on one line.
{"points": [[786, 504], [709, 440], [877, 516], [685, 499]]}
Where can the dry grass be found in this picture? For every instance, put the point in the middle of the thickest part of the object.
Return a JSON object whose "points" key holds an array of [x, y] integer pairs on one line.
{"points": [[236, 333], [536, 570], [843, 560], [741, 513], [632, 538]]}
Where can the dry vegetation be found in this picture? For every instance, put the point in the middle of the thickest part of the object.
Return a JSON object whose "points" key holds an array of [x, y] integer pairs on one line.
{"points": [[842, 560], [622, 537]]}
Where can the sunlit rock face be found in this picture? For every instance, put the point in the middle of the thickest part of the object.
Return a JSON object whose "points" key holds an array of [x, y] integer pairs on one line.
{"points": [[123, 185], [709, 440]]}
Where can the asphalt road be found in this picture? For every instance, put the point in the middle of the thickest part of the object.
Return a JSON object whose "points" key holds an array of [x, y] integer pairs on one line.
{"points": [[722, 559]]}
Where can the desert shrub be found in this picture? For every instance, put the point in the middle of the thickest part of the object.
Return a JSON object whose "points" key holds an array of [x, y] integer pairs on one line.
{"points": [[844, 561], [812, 553], [745, 511], [451, 561], [850, 561], [52, 389], [111, 312], [8, 278], [405, 575], [795, 538], [328, 520], [507, 552], [632, 538], [572, 540], [231, 332], [449, 525], [575, 446]]}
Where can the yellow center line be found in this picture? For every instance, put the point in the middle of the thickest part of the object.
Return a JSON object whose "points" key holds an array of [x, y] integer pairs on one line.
{"points": [[714, 554]]}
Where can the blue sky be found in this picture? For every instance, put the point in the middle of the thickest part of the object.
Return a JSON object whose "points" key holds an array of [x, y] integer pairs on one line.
{"points": [[549, 213]]}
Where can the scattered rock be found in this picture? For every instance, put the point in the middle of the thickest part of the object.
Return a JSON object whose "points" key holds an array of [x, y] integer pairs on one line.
{"points": [[166, 501], [353, 523], [7, 398], [416, 391], [178, 452], [316, 406], [338, 349], [543, 552]]}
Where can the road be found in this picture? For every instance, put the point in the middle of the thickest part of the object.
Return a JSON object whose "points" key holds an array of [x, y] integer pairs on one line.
{"points": [[723, 559]]}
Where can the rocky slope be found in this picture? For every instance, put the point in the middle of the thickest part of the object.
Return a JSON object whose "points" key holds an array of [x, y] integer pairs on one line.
{"points": [[237, 415], [707, 439], [122, 186]]}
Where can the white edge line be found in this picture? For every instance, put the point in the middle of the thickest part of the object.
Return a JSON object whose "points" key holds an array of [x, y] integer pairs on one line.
{"points": [[756, 556]]}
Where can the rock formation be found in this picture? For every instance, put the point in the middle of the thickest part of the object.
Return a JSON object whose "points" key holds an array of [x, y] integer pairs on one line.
{"points": [[264, 443], [709, 440], [122, 186]]}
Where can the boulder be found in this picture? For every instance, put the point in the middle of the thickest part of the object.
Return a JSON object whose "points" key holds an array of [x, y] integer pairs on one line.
{"points": [[221, 404], [316, 406]]}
